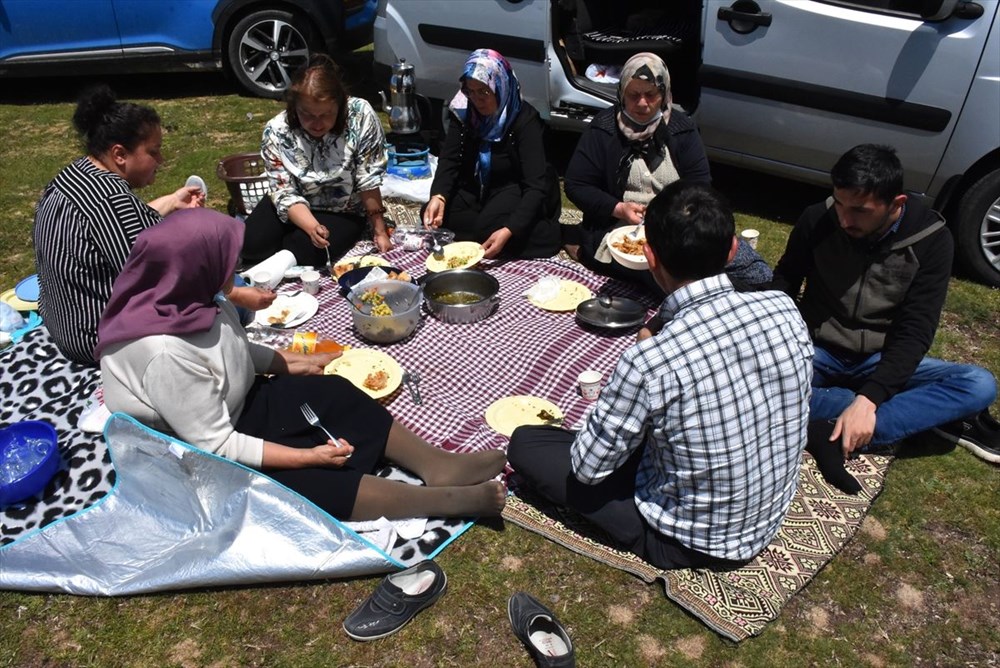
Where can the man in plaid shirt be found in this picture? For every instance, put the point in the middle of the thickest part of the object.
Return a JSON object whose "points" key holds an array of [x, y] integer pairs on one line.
{"points": [[692, 452]]}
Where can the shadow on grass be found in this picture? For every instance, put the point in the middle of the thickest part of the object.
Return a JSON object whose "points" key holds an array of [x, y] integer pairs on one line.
{"points": [[356, 68]]}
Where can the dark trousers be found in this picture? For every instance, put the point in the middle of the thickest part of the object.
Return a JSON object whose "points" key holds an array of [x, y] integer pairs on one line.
{"points": [[266, 235], [541, 458]]}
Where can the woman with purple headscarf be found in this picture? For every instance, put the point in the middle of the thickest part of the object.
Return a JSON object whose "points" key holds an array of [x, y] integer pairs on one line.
{"points": [[493, 184], [174, 356]]}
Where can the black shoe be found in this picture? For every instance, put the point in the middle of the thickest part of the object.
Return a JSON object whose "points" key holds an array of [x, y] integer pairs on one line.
{"points": [[540, 631], [397, 600], [829, 457], [979, 434]]}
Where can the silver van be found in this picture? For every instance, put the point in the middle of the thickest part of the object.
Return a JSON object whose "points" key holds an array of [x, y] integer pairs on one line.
{"points": [[780, 86]]}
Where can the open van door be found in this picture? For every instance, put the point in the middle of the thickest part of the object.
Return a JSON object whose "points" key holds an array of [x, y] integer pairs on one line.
{"points": [[808, 79]]}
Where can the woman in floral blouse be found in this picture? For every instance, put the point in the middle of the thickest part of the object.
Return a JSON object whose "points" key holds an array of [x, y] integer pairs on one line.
{"points": [[325, 158]]}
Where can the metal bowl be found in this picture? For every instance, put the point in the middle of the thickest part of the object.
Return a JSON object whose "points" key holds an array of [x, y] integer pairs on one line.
{"points": [[404, 300], [620, 313], [481, 285]]}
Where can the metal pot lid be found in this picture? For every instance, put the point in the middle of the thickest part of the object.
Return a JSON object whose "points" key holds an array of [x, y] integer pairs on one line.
{"points": [[622, 313]]}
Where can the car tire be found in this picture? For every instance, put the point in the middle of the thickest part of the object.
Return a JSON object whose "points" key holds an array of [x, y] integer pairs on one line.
{"points": [[977, 230], [266, 47]]}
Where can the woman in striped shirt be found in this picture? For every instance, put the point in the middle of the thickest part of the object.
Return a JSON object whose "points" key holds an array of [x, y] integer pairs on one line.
{"points": [[88, 218]]}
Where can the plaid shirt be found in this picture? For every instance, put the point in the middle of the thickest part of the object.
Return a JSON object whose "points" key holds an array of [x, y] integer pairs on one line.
{"points": [[719, 399]]}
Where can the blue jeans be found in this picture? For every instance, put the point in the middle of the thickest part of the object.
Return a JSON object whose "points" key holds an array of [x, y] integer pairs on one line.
{"points": [[938, 392]]}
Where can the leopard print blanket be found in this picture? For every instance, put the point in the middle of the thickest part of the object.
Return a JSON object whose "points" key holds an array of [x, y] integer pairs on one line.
{"points": [[38, 383]]}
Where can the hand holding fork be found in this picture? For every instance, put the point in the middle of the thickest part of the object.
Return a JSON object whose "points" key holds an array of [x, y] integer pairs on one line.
{"points": [[310, 415]]}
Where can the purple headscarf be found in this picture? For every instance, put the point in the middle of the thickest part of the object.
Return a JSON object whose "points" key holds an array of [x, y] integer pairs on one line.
{"points": [[169, 283], [492, 69]]}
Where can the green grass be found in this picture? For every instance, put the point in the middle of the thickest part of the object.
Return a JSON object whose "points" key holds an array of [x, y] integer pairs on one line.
{"points": [[919, 583]]}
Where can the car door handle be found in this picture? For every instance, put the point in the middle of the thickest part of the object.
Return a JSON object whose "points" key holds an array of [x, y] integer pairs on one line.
{"points": [[744, 16]]}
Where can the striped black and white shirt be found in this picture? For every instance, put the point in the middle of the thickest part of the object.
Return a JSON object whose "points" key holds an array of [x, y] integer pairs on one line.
{"points": [[85, 224], [719, 402]]}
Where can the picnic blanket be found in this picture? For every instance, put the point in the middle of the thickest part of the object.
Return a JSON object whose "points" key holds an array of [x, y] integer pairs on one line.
{"points": [[736, 603]]}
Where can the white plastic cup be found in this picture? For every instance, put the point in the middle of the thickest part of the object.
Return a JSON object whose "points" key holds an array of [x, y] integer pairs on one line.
{"points": [[750, 236], [310, 281], [590, 384], [264, 279]]}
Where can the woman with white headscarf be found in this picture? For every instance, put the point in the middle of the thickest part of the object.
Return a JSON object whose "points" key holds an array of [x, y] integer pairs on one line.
{"points": [[493, 184], [630, 152]]}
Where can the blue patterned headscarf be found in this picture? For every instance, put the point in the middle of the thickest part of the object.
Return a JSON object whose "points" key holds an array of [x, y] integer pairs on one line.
{"points": [[490, 68]]}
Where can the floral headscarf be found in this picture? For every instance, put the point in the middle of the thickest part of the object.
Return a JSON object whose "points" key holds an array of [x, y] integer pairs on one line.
{"points": [[646, 67], [492, 69]]}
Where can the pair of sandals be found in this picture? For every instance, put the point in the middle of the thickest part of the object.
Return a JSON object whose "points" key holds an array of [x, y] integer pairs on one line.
{"points": [[400, 596]]}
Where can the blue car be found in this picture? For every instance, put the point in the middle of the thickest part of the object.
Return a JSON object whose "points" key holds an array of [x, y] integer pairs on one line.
{"points": [[259, 42]]}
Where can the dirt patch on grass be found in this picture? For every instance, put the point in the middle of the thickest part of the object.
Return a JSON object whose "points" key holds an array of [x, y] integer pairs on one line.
{"points": [[621, 615], [510, 563], [650, 649], [872, 528], [691, 647], [910, 597], [186, 653]]}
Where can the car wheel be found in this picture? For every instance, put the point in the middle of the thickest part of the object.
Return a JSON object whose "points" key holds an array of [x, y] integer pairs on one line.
{"points": [[978, 229], [266, 47]]}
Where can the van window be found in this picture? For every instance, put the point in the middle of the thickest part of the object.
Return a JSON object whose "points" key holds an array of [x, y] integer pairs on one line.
{"points": [[909, 8]]}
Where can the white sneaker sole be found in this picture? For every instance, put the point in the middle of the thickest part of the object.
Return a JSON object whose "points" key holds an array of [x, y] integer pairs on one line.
{"points": [[971, 446]]}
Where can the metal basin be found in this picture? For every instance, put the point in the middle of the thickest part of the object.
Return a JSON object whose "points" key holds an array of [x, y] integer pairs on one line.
{"points": [[481, 289]]}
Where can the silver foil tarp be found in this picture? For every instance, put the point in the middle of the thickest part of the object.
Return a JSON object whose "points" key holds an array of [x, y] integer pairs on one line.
{"points": [[180, 518]]}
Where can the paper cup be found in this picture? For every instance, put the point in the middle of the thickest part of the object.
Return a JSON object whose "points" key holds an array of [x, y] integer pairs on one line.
{"points": [[265, 279], [590, 384], [310, 281], [750, 236]]}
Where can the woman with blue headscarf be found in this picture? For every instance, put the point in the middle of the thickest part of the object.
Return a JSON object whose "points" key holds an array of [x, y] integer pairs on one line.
{"points": [[492, 183]]}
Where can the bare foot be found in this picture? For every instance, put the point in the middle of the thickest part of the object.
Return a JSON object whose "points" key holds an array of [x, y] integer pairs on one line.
{"points": [[467, 469], [573, 250]]}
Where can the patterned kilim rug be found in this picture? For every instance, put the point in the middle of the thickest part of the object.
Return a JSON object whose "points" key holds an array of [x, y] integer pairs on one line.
{"points": [[736, 603]]}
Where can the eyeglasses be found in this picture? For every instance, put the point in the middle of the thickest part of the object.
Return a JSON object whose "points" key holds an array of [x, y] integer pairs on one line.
{"points": [[479, 93]]}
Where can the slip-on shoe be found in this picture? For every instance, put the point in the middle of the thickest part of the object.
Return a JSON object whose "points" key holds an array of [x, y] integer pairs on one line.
{"points": [[540, 631], [397, 600]]}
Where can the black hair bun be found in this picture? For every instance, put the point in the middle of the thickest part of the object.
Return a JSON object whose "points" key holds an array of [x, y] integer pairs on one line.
{"points": [[93, 107]]}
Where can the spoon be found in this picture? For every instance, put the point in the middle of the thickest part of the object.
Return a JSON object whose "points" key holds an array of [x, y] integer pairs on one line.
{"points": [[436, 250]]}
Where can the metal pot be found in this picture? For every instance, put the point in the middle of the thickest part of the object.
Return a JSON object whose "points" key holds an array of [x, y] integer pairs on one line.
{"points": [[471, 281]]}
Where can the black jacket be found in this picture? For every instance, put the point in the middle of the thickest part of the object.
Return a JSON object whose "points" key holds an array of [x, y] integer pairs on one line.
{"points": [[862, 297], [518, 158]]}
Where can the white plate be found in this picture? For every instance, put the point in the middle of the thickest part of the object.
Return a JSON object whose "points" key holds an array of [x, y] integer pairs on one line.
{"points": [[288, 312], [507, 414], [357, 364], [570, 295], [342, 266], [469, 250], [626, 259]]}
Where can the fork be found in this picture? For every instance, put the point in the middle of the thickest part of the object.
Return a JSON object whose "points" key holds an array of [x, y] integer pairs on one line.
{"points": [[412, 380], [310, 415], [634, 234]]}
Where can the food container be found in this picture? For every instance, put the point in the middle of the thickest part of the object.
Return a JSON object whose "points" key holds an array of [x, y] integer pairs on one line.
{"points": [[404, 300], [29, 457], [637, 262], [461, 296]]}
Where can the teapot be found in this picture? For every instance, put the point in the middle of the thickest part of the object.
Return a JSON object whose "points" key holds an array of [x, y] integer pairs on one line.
{"points": [[404, 117]]}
